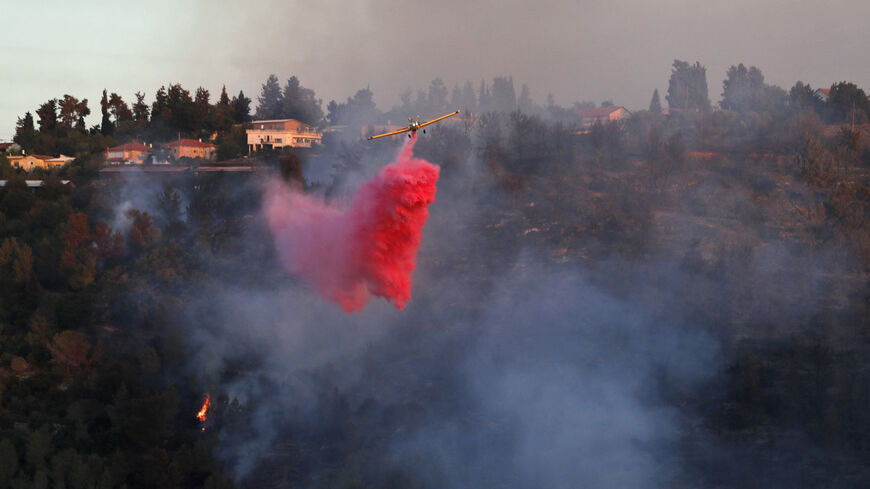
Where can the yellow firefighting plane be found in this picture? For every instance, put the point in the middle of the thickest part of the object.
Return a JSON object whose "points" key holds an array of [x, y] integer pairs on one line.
{"points": [[414, 125]]}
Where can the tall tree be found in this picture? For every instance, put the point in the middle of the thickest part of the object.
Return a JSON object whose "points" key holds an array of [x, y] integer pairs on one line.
{"points": [[119, 109], [335, 112], [655, 104], [802, 97], [241, 108], [744, 90], [82, 110], [173, 112], [169, 211], [300, 103], [221, 115], [106, 126], [687, 87], [140, 108], [160, 107], [270, 100], [224, 98], [25, 131], [47, 114], [68, 111], [203, 109], [357, 111], [183, 110], [847, 103]]}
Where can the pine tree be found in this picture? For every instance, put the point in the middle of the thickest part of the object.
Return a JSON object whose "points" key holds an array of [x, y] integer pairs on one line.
{"points": [[25, 131], [655, 104], [300, 103], [140, 108], [271, 100], [241, 108], [106, 126], [47, 114]]}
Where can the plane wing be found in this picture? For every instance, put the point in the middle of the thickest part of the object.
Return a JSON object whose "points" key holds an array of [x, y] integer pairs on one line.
{"points": [[400, 131], [433, 121]]}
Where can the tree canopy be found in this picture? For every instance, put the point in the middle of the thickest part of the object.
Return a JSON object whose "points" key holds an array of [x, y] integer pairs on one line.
{"points": [[687, 87]]}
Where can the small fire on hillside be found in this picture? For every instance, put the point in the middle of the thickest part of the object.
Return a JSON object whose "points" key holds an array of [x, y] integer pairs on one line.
{"points": [[201, 415]]}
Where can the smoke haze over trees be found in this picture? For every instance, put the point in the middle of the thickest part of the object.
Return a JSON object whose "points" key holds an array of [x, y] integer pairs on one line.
{"points": [[678, 298]]}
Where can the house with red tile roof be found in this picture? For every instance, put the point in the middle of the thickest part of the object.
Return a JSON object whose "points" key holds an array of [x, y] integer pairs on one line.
{"points": [[126, 154], [823, 93]]}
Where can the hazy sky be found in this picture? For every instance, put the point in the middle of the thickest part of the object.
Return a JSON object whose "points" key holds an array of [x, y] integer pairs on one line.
{"points": [[577, 50]]}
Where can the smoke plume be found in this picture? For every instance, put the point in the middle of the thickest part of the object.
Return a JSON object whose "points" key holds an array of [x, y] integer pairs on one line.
{"points": [[368, 249]]}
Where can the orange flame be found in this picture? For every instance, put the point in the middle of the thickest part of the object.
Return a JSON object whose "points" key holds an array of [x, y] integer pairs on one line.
{"points": [[205, 405]]}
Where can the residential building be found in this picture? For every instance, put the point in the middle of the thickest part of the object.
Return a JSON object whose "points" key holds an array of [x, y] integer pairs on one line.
{"points": [[823, 93], [59, 160], [126, 154], [191, 148], [588, 117], [281, 133], [32, 162]]}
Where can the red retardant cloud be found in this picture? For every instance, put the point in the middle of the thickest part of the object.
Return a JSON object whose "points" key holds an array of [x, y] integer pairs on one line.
{"points": [[368, 249]]}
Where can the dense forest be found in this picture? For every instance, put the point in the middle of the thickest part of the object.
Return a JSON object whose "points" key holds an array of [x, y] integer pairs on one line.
{"points": [[676, 299]]}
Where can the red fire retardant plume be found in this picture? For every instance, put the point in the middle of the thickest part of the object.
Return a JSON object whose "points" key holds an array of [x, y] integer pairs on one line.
{"points": [[368, 249]]}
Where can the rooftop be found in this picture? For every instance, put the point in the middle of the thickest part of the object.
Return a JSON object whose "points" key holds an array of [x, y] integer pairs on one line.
{"points": [[32, 183], [598, 111], [278, 120], [39, 157], [190, 143], [132, 146]]}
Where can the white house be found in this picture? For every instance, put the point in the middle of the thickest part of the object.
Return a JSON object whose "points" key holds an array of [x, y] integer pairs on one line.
{"points": [[280, 133]]}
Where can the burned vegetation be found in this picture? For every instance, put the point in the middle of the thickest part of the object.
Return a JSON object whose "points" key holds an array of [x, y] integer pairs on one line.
{"points": [[671, 298]]}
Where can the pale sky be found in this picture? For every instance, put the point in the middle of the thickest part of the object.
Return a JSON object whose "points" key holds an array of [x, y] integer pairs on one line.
{"points": [[596, 50]]}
